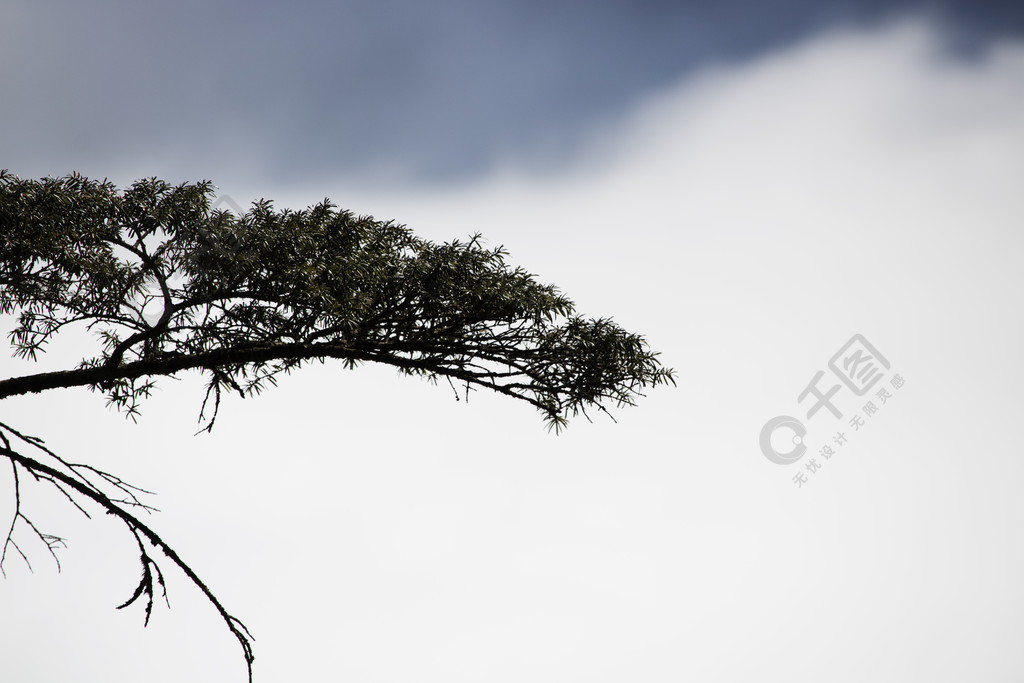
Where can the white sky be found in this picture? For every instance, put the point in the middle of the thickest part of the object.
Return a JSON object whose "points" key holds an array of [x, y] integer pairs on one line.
{"points": [[749, 220]]}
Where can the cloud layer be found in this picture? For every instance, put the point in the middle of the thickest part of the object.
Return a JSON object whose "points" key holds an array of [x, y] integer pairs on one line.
{"points": [[382, 91]]}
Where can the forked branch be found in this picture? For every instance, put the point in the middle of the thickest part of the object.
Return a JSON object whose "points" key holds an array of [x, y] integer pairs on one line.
{"points": [[74, 482]]}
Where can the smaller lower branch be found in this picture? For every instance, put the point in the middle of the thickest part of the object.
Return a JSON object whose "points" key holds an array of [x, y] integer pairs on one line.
{"points": [[137, 527]]}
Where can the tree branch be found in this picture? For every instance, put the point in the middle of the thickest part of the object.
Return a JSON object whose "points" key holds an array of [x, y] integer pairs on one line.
{"points": [[137, 527], [263, 353]]}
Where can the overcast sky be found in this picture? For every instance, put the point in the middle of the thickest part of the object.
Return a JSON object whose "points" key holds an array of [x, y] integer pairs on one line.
{"points": [[750, 185], [385, 91]]}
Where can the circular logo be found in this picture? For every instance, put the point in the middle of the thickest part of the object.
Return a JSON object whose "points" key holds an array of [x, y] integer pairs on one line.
{"points": [[799, 432]]}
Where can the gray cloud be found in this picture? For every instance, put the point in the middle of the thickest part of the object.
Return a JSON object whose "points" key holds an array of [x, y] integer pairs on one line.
{"points": [[422, 92]]}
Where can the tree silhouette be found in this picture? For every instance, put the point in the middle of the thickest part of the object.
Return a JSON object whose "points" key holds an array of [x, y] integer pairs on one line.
{"points": [[167, 284]]}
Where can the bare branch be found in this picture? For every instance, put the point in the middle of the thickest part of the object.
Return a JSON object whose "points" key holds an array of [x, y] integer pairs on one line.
{"points": [[14, 518], [150, 571]]}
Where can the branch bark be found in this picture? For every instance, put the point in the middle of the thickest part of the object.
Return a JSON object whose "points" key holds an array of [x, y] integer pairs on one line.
{"points": [[171, 364]]}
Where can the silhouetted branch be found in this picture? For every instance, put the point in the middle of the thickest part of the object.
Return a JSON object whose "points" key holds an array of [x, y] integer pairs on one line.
{"points": [[71, 479], [246, 298]]}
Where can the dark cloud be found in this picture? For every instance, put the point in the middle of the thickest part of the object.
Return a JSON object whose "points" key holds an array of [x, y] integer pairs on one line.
{"points": [[431, 91]]}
